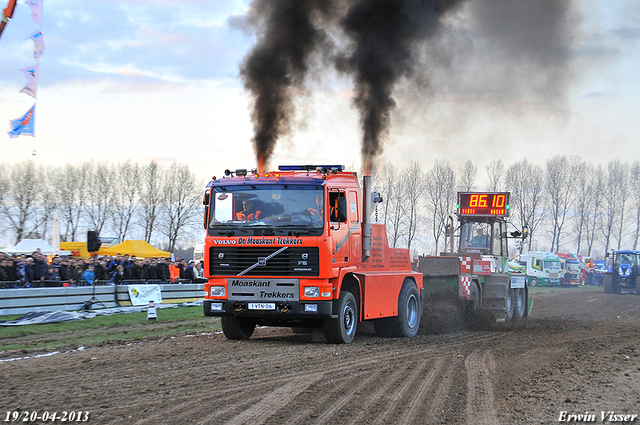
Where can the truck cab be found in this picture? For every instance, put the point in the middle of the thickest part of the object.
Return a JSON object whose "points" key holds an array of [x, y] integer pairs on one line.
{"points": [[623, 275]]}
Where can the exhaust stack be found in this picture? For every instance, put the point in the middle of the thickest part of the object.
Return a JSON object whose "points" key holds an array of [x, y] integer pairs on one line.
{"points": [[366, 222]]}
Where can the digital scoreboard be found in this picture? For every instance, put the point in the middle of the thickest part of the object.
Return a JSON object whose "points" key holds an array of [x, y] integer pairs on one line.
{"points": [[483, 203]]}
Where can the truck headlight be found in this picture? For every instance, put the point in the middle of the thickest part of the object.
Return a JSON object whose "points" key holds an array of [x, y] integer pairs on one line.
{"points": [[217, 291], [312, 291]]}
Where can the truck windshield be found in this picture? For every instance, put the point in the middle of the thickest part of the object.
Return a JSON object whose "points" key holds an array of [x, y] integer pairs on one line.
{"points": [[552, 265], [277, 207], [629, 258], [475, 238]]}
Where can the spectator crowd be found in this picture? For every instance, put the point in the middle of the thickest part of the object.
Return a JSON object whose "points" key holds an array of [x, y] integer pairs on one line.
{"points": [[38, 270]]}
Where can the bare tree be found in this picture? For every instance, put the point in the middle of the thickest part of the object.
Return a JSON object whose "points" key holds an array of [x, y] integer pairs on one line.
{"points": [[394, 205], [21, 200], [100, 196], [70, 188], [182, 203], [613, 199], [468, 175], [125, 197], [594, 193], [4, 191], [634, 183], [440, 198], [151, 197], [583, 202], [413, 183], [560, 185], [526, 184], [495, 175]]}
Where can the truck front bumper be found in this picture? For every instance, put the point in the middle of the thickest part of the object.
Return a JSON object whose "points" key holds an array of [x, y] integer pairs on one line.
{"points": [[283, 309]]}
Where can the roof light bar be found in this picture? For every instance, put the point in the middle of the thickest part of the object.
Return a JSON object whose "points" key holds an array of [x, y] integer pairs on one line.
{"points": [[310, 167]]}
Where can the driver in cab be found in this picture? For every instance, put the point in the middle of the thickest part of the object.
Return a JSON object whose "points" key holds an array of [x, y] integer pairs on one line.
{"points": [[479, 240], [248, 211]]}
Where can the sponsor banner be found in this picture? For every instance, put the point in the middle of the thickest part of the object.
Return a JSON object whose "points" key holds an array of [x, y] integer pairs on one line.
{"points": [[518, 281], [481, 267], [143, 294]]}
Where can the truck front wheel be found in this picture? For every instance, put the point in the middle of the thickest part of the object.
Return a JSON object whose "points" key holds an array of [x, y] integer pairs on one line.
{"points": [[608, 284], [237, 327], [342, 329]]}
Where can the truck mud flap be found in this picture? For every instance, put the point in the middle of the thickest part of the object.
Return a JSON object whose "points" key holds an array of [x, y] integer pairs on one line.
{"points": [[494, 295]]}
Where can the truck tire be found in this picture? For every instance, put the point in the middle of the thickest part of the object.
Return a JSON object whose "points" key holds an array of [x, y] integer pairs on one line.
{"points": [[509, 305], [237, 327], [342, 329], [520, 301], [407, 323], [533, 282], [608, 283]]}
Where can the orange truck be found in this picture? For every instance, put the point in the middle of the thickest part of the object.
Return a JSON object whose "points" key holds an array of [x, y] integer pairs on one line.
{"points": [[296, 248]]}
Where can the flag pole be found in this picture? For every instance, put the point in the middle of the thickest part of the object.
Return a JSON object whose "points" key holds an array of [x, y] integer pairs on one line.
{"points": [[7, 13]]}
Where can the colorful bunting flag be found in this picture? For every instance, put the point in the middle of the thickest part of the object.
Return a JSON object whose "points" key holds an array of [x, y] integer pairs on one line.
{"points": [[31, 72], [36, 10], [38, 48], [25, 125]]}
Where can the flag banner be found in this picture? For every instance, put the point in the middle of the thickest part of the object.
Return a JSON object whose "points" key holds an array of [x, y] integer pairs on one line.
{"points": [[24, 125], [31, 72], [36, 10], [38, 41]]}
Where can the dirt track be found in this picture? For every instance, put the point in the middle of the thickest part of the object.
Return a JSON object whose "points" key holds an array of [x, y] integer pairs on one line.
{"points": [[579, 352]]}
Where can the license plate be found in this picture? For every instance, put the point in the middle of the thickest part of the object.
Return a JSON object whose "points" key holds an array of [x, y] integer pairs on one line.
{"points": [[262, 306]]}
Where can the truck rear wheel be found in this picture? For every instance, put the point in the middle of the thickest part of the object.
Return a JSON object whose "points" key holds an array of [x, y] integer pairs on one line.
{"points": [[407, 323], [237, 327], [520, 308], [342, 329]]}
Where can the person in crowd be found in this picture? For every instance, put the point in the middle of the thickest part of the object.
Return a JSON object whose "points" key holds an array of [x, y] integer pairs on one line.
{"points": [[174, 272], [100, 270], [198, 272], [119, 275], [12, 269], [27, 271], [152, 272], [115, 262], [125, 261], [78, 273], [39, 266], [163, 269], [187, 272], [65, 272], [135, 269], [55, 263], [89, 274], [51, 275], [180, 264], [4, 270]]}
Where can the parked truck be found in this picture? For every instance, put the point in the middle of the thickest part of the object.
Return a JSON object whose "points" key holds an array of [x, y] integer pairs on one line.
{"points": [[622, 276], [296, 248], [541, 268], [477, 268]]}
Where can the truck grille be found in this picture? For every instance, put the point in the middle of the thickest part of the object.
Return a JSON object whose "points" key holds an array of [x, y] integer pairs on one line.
{"points": [[293, 261]]}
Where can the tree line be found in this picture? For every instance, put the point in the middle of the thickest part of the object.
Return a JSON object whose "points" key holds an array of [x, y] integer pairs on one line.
{"points": [[568, 205], [160, 204]]}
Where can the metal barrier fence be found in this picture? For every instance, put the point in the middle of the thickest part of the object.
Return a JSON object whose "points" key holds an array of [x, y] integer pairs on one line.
{"points": [[80, 283]]}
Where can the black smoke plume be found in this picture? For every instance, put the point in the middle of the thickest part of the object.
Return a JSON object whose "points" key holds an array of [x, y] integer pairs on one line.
{"points": [[287, 35], [384, 35]]}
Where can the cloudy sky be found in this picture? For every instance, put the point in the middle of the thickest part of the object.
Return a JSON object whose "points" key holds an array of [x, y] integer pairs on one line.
{"points": [[159, 79]]}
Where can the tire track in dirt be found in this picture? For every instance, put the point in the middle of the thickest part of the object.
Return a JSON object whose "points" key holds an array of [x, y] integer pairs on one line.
{"points": [[481, 408]]}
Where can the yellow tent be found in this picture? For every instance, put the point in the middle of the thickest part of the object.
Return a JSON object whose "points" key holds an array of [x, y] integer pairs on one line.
{"points": [[137, 248]]}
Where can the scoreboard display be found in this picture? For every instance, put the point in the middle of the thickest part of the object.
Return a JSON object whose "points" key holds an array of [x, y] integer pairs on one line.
{"points": [[483, 204]]}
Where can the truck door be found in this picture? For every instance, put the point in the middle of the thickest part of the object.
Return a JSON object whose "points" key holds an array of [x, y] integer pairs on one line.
{"points": [[338, 213]]}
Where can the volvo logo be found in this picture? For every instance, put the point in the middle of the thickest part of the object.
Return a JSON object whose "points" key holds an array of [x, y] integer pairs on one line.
{"points": [[221, 255], [262, 261], [305, 256]]}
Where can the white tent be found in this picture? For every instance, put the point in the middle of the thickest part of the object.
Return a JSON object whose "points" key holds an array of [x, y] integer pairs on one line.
{"points": [[27, 246]]}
